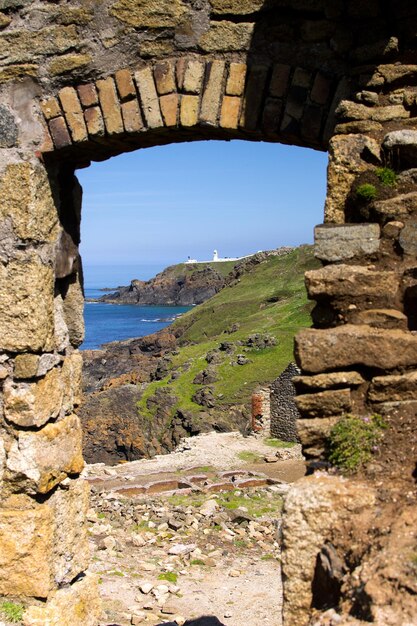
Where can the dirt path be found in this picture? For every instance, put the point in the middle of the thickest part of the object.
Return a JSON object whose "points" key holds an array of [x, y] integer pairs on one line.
{"points": [[175, 556]]}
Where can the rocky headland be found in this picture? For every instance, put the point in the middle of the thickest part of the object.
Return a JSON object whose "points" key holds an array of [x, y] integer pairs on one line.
{"points": [[178, 285]]}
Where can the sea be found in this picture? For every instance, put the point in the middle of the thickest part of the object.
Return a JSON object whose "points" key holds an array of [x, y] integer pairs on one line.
{"points": [[115, 322]]}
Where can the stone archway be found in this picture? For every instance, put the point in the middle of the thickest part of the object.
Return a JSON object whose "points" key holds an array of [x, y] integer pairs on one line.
{"points": [[90, 80]]}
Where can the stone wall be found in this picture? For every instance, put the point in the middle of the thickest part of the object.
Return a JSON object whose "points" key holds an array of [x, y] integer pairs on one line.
{"points": [[86, 80], [284, 412]]}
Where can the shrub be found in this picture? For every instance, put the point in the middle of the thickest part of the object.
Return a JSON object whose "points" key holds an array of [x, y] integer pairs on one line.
{"points": [[387, 176], [354, 439], [12, 612], [366, 192]]}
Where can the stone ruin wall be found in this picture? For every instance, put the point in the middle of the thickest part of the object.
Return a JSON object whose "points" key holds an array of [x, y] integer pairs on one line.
{"points": [[83, 81]]}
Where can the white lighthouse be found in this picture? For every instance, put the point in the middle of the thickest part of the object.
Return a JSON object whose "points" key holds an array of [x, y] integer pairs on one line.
{"points": [[215, 256]]}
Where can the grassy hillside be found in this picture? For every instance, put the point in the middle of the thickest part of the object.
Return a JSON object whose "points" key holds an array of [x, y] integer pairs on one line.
{"points": [[183, 269], [268, 301]]}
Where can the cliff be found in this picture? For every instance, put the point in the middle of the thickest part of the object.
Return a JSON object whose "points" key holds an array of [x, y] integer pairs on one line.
{"points": [[178, 285]]}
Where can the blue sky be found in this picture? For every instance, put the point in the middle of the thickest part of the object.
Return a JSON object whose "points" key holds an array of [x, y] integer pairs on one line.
{"points": [[158, 205]]}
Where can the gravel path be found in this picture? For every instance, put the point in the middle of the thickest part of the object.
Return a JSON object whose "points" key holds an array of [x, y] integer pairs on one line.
{"points": [[197, 553]]}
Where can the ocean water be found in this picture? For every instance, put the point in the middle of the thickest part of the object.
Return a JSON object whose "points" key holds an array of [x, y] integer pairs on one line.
{"points": [[115, 322]]}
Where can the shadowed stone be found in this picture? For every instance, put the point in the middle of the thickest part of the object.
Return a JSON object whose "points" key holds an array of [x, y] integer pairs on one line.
{"points": [[8, 128]]}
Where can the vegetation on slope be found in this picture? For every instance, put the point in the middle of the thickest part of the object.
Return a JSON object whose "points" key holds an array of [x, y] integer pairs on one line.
{"points": [[256, 316]]}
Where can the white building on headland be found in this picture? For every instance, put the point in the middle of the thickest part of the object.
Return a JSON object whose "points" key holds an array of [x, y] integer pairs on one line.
{"points": [[217, 259]]}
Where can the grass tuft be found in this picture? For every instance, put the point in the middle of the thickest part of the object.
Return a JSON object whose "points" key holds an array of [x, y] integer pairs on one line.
{"points": [[354, 440], [366, 192], [278, 443], [12, 612]]}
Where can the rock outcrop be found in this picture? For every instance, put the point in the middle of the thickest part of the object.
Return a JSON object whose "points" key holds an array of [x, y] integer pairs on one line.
{"points": [[178, 285]]}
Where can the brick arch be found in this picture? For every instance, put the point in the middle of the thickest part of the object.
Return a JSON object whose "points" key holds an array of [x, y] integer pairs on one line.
{"points": [[189, 98]]}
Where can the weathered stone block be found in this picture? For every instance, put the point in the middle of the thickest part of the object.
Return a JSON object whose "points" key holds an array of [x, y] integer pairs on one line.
{"points": [[26, 199], [132, 118], [34, 404], [94, 121], [408, 239], [350, 280], [380, 318], [149, 13], [43, 545], [71, 376], [314, 506], [313, 435], [50, 108], [26, 365], [230, 112], [76, 605], [46, 362], [253, 97], [70, 551], [25, 539], [73, 114], [68, 63], [402, 144], [393, 208], [149, 97], [235, 7], [324, 403], [42, 459], [337, 243], [8, 128], [73, 309], [190, 75], [210, 103], [348, 110], [328, 381], [21, 46], [227, 37], [169, 108], [26, 305], [321, 89], [189, 110], [235, 84], [397, 388], [164, 74], [349, 155], [110, 106], [350, 346], [125, 85], [88, 95], [61, 334], [271, 115], [279, 80], [59, 133]]}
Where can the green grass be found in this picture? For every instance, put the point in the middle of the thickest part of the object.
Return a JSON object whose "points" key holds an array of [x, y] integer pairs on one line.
{"points": [[11, 611], [249, 457], [367, 192], [257, 504], [353, 441], [387, 176], [171, 577], [270, 299], [278, 443], [197, 562]]}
